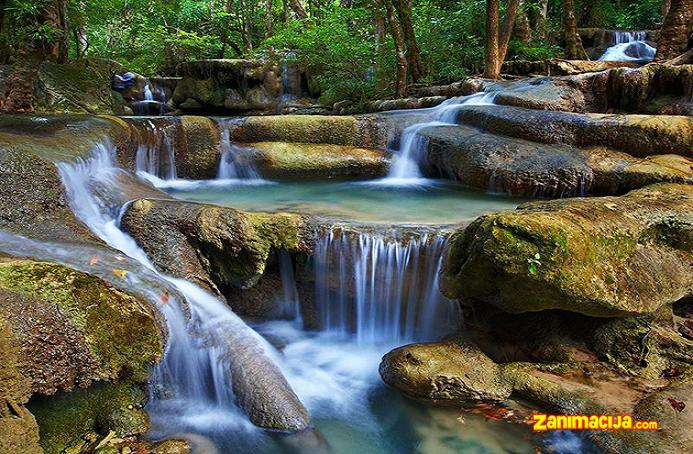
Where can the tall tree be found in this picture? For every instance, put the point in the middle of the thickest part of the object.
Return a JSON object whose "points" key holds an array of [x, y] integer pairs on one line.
{"points": [[43, 40], [539, 14], [498, 37], [404, 13], [298, 9], [400, 49], [676, 30], [573, 43], [522, 31], [268, 17]]}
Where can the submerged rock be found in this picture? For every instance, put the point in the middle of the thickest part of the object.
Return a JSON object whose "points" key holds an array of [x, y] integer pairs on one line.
{"points": [[455, 372], [283, 160], [610, 256]]}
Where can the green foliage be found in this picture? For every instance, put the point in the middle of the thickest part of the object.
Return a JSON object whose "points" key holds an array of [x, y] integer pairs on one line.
{"points": [[535, 51], [339, 52], [629, 15]]}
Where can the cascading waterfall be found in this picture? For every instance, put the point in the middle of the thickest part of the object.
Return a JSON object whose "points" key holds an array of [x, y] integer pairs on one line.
{"points": [[236, 162], [406, 169], [156, 155], [381, 289], [629, 46], [191, 389]]}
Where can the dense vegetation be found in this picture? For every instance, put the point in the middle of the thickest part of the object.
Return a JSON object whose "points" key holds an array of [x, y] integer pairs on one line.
{"points": [[348, 45]]}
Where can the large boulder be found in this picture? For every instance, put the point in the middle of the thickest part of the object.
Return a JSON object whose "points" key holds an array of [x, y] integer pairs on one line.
{"points": [[452, 372], [81, 86], [215, 246], [356, 131], [284, 160], [638, 135], [523, 168], [61, 331], [604, 257]]}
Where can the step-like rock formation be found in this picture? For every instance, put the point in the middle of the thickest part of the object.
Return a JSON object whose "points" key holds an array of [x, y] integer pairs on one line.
{"points": [[604, 257]]}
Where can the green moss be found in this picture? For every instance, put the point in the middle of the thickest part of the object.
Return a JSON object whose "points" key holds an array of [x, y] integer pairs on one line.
{"points": [[118, 328], [65, 419]]}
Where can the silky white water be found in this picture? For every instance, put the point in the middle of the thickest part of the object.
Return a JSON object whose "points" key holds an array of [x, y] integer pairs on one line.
{"points": [[236, 162], [629, 46], [406, 168], [191, 387]]}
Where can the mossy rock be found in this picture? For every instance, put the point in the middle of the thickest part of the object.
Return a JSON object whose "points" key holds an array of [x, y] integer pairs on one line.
{"points": [[283, 160], [446, 372], [75, 328], [74, 420], [212, 245], [604, 257]]}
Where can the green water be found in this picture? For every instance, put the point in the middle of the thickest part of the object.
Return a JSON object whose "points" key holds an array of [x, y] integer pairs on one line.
{"points": [[435, 202]]}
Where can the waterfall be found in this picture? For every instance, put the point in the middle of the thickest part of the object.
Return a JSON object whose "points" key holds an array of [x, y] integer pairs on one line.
{"points": [[629, 46], [156, 152], [148, 94], [191, 389], [406, 169], [236, 162], [379, 288]]}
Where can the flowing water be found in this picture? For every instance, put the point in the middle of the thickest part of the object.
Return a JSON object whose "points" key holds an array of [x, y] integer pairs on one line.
{"points": [[406, 169], [629, 46], [156, 153], [236, 162]]}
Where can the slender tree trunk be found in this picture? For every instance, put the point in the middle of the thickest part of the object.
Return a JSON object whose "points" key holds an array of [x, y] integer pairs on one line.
{"points": [[379, 32], [507, 30], [676, 30], [573, 43], [64, 42], [298, 9], [245, 27], [540, 19], [497, 38], [400, 50], [522, 31], [492, 68], [416, 66], [666, 5], [268, 18]]}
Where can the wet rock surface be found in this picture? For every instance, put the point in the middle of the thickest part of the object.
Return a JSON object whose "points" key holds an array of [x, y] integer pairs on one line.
{"points": [[610, 256], [282, 160], [524, 168]]}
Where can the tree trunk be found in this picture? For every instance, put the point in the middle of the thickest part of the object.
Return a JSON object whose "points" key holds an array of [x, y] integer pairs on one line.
{"points": [[497, 38], [573, 43], [522, 31], [245, 28], [298, 9], [19, 88], [540, 19], [492, 68], [676, 30], [64, 42], [379, 32], [507, 30], [268, 18], [400, 50], [416, 66], [666, 5]]}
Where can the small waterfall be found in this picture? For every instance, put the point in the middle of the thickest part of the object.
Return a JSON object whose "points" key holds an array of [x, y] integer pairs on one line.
{"points": [[406, 168], [236, 162], [156, 152], [629, 46], [191, 389], [148, 94], [381, 289]]}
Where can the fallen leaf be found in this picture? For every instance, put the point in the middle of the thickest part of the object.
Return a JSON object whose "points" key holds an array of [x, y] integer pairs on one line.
{"points": [[677, 405], [165, 296], [94, 260], [120, 273]]}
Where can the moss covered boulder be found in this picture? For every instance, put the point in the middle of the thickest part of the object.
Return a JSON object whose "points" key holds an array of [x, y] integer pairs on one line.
{"points": [[637, 135], [284, 160], [62, 332], [212, 245], [610, 256], [452, 372], [355, 131]]}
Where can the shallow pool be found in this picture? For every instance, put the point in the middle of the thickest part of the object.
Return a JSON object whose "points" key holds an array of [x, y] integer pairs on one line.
{"points": [[423, 201]]}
